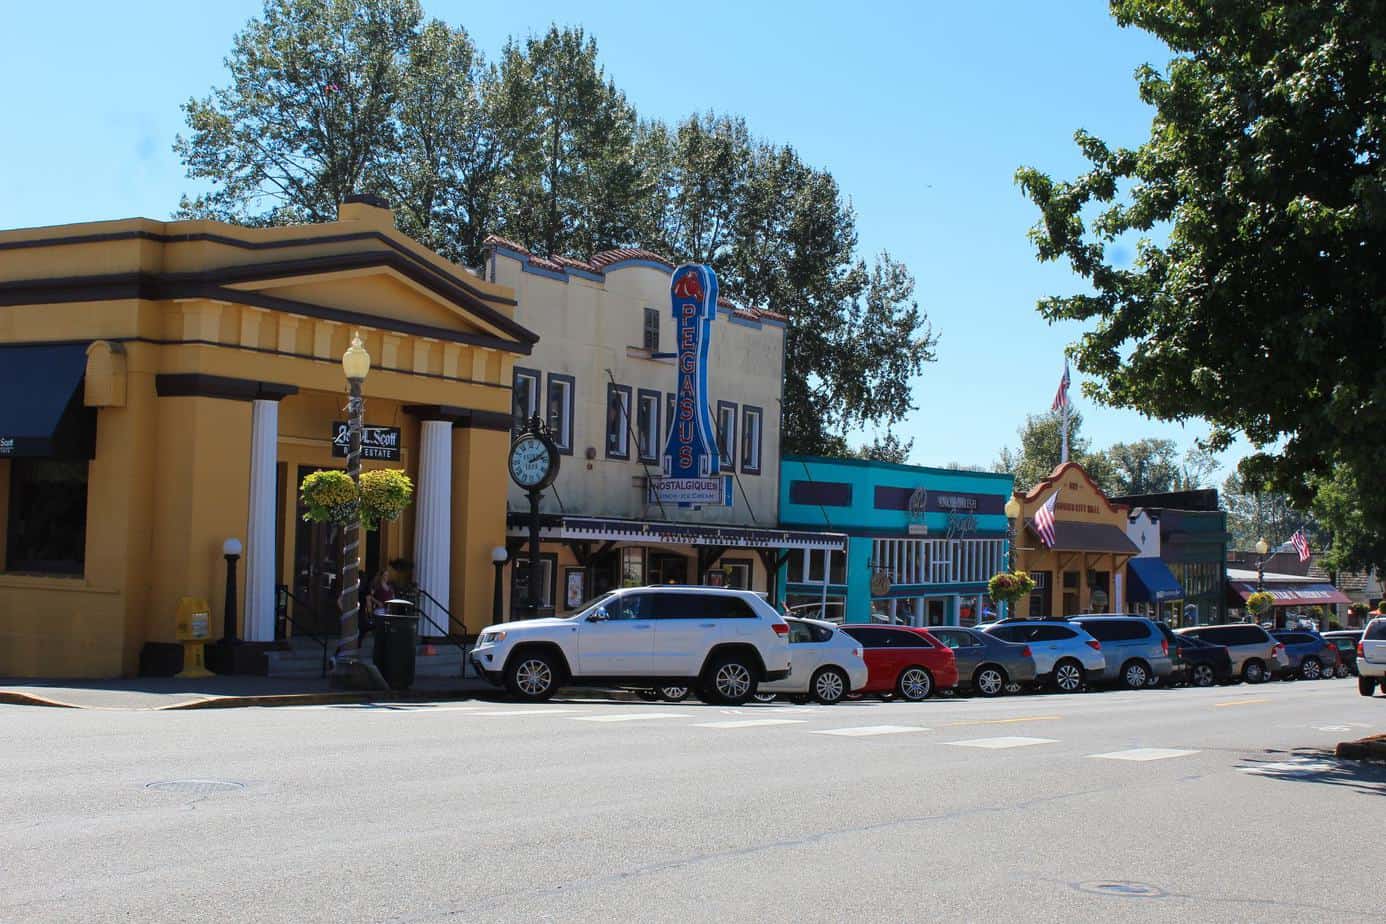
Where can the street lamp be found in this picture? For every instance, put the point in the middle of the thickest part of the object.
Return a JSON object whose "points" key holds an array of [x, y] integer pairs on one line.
{"points": [[356, 364], [1262, 547], [231, 551], [498, 558]]}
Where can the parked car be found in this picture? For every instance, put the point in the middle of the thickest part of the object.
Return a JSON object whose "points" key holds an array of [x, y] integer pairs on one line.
{"points": [[1345, 640], [721, 643], [901, 660], [987, 665], [1065, 654], [1256, 655], [828, 663], [1312, 656], [1371, 657], [1134, 648], [1201, 664]]}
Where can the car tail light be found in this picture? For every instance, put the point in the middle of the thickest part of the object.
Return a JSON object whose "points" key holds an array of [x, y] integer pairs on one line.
{"points": [[1026, 652], [1278, 649], [1164, 647], [1360, 652], [781, 628], [859, 652], [1094, 644]]}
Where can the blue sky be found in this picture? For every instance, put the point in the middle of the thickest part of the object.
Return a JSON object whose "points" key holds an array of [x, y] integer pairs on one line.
{"points": [[922, 110]]}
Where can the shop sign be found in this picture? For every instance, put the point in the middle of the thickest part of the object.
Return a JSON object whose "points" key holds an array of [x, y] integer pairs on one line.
{"points": [[690, 462], [691, 492], [381, 443], [6, 445]]}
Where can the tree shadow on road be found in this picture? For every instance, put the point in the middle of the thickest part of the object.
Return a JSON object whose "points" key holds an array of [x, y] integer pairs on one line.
{"points": [[1318, 765]]}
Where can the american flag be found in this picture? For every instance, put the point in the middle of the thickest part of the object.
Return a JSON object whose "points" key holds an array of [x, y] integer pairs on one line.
{"points": [[1044, 520], [1301, 544], [1061, 398]]}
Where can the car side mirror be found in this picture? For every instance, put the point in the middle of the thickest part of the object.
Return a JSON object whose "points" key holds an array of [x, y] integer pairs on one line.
{"points": [[598, 616]]}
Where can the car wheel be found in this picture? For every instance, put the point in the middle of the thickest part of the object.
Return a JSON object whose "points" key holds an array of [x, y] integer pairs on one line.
{"points": [[532, 677], [989, 680], [731, 680], [1068, 676], [914, 684], [1152, 681], [1311, 669], [1014, 687], [649, 696], [828, 685], [1366, 685], [674, 694], [1134, 675], [1254, 672], [1341, 671], [764, 697], [1202, 675], [1383, 684]]}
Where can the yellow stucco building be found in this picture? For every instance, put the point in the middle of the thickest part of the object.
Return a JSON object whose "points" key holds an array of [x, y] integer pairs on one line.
{"points": [[1084, 570], [165, 385]]}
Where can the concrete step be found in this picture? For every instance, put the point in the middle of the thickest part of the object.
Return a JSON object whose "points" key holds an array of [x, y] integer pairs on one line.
{"points": [[445, 661]]}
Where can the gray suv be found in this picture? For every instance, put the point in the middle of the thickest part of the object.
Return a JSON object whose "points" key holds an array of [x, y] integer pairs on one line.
{"points": [[1135, 648], [1256, 655]]}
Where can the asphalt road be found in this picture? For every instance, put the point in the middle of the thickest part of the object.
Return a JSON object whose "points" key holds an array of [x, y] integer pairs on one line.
{"points": [[1178, 805]]}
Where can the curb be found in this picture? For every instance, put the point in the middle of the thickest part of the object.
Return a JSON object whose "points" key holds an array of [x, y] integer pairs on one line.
{"points": [[321, 699], [1373, 748], [11, 698]]}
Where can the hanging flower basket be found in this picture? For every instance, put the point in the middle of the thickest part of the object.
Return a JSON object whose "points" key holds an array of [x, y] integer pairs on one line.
{"points": [[1259, 603], [1010, 586], [384, 495], [330, 497]]}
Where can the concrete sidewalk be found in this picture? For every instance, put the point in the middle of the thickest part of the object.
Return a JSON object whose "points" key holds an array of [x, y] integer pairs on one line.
{"points": [[160, 693]]}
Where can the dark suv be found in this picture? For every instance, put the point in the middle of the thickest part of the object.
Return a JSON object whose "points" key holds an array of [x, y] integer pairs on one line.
{"points": [[1257, 656], [1312, 656], [1346, 642]]}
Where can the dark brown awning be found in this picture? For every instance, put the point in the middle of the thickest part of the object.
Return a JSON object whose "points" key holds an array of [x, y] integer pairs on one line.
{"points": [[1087, 537]]}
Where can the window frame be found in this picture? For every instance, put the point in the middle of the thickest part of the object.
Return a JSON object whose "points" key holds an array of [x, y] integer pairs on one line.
{"points": [[747, 412], [548, 565], [623, 437], [645, 339], [517, 425], [670, 403], [564, 441], [56, 567], [655, 397], [727, 459]]}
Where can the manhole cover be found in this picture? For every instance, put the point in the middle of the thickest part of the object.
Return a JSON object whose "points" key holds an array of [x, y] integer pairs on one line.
{"points": [[195, 787], [1120, 889]]}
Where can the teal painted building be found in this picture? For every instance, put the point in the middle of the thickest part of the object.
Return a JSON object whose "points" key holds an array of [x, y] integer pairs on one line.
{"points": [[923, 542]]}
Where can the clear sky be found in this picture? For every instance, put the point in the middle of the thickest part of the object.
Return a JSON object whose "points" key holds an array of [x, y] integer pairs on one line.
{"points": [[922, 110]]}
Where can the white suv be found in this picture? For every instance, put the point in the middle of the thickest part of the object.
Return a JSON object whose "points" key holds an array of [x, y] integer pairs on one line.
{"points": [[1371, 657], [723, 643]]}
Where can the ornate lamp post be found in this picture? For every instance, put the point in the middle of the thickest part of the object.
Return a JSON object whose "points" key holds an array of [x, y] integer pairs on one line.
{"points": [[231, 551], [356, 364], [1262, 547]]}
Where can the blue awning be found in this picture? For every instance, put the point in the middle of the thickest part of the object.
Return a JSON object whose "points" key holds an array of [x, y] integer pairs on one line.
{"points": [[41, 409], [1152, 581]]}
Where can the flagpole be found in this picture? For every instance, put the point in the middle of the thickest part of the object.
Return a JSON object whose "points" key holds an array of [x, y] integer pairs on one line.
{"points": [[1063, 430]]}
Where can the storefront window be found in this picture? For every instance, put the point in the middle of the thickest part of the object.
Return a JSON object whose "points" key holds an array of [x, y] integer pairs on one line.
{"points": [[519, 585], [47, 529], [1041, 600], [968, 611], [632, 567], [738, 573]]}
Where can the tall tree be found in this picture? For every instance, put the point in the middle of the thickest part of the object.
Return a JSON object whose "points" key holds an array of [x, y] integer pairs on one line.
{"points": [[1262, 308], [1147, 466], [1255, 511], [1041, 448], [308, 114]]}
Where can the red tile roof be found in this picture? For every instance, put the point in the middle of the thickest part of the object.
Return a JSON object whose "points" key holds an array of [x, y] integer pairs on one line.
{"points": [[600, 261]]}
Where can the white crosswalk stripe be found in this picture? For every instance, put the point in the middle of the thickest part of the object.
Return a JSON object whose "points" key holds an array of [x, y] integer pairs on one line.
{"points": [[507, 712], [1143, 754], [1002, 742], [865, 731], [631, 717], [749, 723]]}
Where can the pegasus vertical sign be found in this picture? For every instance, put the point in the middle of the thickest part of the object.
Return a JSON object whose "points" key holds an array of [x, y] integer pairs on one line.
{"points": [[691, 463]]}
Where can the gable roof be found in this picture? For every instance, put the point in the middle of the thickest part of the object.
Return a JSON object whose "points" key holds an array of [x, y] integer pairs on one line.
{"points": [[1058, 474]]}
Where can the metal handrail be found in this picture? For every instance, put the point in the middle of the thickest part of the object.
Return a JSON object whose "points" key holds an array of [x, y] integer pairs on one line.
{"points": [[447, 633], [284, 595]]}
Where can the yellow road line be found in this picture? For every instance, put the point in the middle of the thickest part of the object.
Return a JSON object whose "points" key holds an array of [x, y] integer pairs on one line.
{"points": [[1239, 702], [1028, 718]]}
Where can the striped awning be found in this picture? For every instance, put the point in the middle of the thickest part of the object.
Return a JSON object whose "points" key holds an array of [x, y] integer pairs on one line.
{"points": [[659, 532]]}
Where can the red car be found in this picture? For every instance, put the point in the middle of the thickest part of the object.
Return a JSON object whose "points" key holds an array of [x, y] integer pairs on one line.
{"points": [[903, 660]]}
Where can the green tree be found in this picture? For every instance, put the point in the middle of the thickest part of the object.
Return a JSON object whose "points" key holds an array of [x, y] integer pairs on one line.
{"points": [[1147, 466], [1255, 511], [307, 117], [887, 448], [1260, 308], [1041, 447]]}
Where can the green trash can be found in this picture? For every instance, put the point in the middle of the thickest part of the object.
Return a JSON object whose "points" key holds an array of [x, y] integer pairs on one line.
{"points": [[396, 635]]}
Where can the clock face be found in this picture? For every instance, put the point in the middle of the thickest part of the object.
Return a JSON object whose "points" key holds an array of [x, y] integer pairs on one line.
{"points": [[530, 461]]}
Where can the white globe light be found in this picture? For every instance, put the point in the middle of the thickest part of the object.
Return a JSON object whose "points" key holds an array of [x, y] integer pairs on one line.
{"points": [[231, 547]]}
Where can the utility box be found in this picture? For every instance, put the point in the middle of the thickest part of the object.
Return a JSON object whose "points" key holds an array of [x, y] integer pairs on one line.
{"points": [[194, 628]]}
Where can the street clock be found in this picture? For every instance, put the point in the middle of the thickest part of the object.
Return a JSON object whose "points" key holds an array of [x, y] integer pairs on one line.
{"points": [[533, 461]]}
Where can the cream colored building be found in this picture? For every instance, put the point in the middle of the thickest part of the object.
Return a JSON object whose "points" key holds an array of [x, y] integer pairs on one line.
{"points": [[603, 376]]}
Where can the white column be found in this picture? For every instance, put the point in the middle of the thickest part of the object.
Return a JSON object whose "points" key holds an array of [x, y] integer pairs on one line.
{"points": [[433, 523], [260, 525]]}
